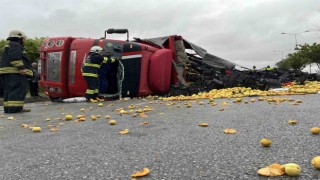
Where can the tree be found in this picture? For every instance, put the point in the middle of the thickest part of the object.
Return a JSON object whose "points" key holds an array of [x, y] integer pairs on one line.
{"points": [[283, 64], [2, 44], [32, 47], [304, 55], [311, 52], [296, 61]]}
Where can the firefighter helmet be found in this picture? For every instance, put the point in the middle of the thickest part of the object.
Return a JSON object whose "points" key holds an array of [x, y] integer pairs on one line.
{"points": [[34, 65], [17, 34], [96, 49]]}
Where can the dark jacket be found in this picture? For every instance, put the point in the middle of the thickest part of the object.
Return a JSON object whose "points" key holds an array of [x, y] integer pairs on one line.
{"points": [[14, 58], [91, 67]]}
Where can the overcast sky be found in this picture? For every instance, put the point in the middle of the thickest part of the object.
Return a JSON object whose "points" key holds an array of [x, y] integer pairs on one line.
{"points": [[246, 32]]}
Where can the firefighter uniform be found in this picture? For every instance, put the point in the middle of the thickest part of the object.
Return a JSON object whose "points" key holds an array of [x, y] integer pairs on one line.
{"points": [[90, 72], [268, 68], [104, 73], [14, 61]]}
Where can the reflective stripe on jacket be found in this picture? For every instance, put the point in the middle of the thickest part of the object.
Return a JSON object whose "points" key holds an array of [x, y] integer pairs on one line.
{"points": [[106, 59], [10, 70], [92, 65], [89, 74]]}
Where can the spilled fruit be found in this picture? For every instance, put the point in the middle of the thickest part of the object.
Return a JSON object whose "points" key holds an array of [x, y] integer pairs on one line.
{"points": [[36, 129], [292, 169], [68, 117], [112, 122], [316, 162], [315, 130], [265, 142]]}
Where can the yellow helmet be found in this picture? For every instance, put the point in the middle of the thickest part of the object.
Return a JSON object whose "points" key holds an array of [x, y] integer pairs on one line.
{"points": [[17, 34]]}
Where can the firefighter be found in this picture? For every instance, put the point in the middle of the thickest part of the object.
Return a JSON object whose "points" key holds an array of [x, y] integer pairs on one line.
{"points": [[254, 68], [15, 68], [268, 68], [108, 73], [34, 82], [90, 72], [267, 71]]}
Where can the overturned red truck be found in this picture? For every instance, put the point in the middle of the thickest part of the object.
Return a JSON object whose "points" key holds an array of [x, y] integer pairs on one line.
{"points": [[146, 66]]}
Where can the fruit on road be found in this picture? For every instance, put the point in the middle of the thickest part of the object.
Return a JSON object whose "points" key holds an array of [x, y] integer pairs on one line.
{"points": [[315, 130], [112, 122], [265, 142], [292, 169], [68, 117], [316, 162], [144, 172], [36, 129]]}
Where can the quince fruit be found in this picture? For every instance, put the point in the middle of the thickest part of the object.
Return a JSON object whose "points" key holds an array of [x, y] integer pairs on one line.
{"points": [[93, 117], [36, 129], [292, 169], [315, 130], [238, 99], [112, 122], [265, 142], [68, 117], [316, 162]]}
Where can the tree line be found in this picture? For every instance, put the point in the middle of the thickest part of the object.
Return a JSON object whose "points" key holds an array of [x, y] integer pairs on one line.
{"points": [[304, 55]]}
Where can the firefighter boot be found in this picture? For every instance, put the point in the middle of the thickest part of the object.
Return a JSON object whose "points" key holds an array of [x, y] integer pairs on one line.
{"points": [[25, 110], [100, 100], [93, 100]]}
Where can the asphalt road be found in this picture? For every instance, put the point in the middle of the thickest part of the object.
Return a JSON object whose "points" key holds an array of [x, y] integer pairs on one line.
{"points": [[172, 145]]}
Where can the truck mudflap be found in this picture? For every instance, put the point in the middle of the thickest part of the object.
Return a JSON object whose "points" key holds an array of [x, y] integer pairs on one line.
{"points": [[160, 71]]}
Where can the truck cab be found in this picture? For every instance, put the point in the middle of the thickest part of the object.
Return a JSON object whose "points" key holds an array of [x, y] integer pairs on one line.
{"points": [[141, 70]]}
